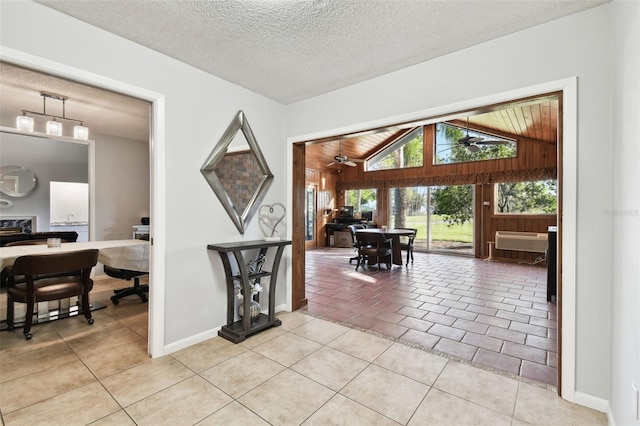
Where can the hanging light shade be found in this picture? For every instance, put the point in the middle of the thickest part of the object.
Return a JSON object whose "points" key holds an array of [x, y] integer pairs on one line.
{"points": [[81, 132], [24, 123], [54, 128]]}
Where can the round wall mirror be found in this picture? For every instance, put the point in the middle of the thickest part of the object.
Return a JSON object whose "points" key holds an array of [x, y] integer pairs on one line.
{"points": [[17, 181]]}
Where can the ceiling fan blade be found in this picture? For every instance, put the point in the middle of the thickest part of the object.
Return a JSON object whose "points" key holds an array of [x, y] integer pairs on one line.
{"points": [[357, 160], [493, 142], [465, 140], [473, 148], [349, 163], [476, 139], [331, 163]]}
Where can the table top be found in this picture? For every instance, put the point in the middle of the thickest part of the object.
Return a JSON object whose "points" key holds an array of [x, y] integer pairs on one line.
{"points": [[247, 245], [388, 232], [122, 254]]}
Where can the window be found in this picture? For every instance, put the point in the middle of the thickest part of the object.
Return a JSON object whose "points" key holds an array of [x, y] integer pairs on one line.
{"points": [[406, 151], [536, 197], [363, 200], [449, 150]]}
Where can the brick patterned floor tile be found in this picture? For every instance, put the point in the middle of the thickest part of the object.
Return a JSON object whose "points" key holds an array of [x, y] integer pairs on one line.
{"points": [[458, 349], [422, 339], [388, 329], [512, 316], [454, 304], [471, 316], [531, 312], [525, 352], [482, 341], [416, 324], [467, 325], [498, 322], [439, 318], [505, 334], [440, 309], [457, 305], [448, 332], [540, 373], [528, 328], [542, 343], [496, 360], [482, 310]]}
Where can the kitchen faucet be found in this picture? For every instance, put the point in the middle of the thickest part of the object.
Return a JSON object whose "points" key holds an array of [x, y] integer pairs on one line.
{"points": [[68, 217]]}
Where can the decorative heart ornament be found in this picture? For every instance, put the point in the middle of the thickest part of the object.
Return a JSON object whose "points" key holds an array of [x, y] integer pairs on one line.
{"points": [[270, 217]]}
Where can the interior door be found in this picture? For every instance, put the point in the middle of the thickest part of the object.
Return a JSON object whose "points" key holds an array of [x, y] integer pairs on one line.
{"points": [[310, 216]]}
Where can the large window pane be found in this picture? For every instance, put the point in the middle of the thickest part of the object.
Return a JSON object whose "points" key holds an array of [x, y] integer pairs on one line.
{"points": [[364, 202], [449, 149], [535, 197], [405, 152]]}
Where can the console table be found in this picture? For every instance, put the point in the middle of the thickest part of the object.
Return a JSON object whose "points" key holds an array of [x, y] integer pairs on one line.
{"points": [[237, 331]]}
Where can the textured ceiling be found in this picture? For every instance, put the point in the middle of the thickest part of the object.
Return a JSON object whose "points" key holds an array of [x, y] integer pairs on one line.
{"points": [[290, 50]]}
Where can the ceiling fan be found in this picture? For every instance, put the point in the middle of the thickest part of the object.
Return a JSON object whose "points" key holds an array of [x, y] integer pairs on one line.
{"points": [[343, 159], [472, 143]]}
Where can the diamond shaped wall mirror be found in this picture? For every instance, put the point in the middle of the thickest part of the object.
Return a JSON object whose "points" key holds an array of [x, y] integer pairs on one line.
{"points": [[237, 172]]}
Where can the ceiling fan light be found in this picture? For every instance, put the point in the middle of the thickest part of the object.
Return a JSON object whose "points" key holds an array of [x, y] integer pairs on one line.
{"points": [[81, 132], [24, 123], [54, 128]]}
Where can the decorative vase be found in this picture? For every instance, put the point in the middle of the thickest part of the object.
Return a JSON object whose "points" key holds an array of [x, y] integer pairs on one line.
{"points": [[254, 310]]}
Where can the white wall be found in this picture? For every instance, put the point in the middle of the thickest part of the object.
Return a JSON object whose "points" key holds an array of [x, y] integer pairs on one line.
{"points": [[624, 212], [578, 45], [197, 108], [122, 186]]}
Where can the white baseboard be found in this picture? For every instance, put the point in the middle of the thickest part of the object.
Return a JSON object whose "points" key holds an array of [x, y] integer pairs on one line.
{"points": [[591, 401], [192, 340], [209, 334]]}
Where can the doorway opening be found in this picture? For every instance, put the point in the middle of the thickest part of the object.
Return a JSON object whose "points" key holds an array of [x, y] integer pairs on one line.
{"points": [[566, 197]]}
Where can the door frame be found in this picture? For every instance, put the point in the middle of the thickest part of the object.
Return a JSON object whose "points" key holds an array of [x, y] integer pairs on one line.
{"points": [[157, 174], [567, 154]]}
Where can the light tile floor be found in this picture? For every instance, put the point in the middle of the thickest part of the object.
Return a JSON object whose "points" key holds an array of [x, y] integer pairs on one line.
{"points": [[308, 371], [492, 314]]}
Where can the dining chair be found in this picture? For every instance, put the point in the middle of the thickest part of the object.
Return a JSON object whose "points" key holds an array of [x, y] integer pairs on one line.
{"points": [[353, 229], [408, 244], [49, 277], [373, 247]]}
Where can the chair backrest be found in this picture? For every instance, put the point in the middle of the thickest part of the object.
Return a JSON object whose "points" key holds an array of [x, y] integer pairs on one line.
{"points": [[370, 238], [41, 264], [413, 236], [353, 229]]}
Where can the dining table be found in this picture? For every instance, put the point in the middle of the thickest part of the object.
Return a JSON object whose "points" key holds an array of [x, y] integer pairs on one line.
{"points": [[394, 234], [130, 254]]}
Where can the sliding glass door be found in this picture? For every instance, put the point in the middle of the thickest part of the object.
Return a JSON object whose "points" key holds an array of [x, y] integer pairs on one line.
{"points": [[442, 216]]}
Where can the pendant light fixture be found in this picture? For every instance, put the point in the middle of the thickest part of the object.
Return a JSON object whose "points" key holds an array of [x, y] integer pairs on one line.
{"points": [[24, 123]]}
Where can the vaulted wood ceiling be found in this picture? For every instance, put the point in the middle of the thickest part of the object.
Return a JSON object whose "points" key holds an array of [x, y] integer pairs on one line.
{"points": [[527, 121]]}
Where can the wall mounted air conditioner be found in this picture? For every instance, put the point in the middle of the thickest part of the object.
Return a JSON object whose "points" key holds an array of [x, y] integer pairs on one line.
{"points": [[521, 241]]}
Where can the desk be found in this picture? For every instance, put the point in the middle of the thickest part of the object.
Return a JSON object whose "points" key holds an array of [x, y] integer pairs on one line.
{"points": [[394, 234], [121, 254]]}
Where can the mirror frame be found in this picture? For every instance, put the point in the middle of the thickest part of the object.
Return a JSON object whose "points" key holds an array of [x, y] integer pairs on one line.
{"points": [[239, 123], [6, 170]]}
